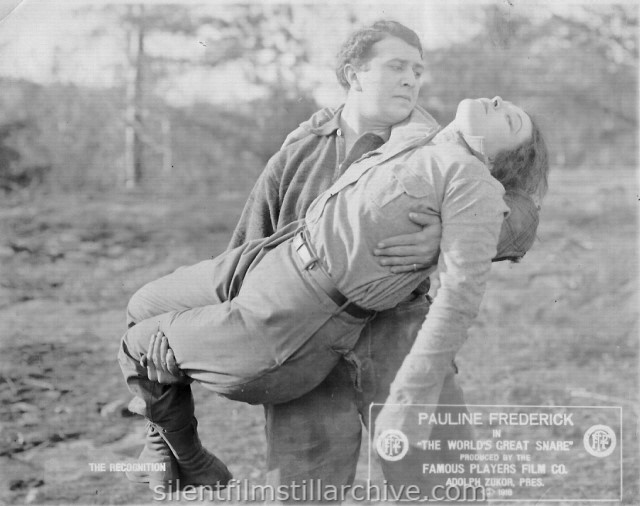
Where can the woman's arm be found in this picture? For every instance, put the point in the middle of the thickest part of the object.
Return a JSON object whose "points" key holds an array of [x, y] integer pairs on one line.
{"points": [[472, 214], [517, 235]]}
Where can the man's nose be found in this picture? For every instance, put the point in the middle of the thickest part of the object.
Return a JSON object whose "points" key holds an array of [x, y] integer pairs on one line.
{"points": [[409, 78]]}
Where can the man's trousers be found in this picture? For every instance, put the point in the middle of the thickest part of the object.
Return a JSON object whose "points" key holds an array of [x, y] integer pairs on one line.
{"points": [[317, 437]]}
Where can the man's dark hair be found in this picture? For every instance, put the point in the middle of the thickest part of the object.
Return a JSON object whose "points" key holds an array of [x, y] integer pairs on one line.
{"points": [[357, 48]]}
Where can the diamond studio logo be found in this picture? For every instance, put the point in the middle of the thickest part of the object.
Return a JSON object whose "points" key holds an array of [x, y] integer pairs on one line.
{"points": [[600, 440], [392, 445]]}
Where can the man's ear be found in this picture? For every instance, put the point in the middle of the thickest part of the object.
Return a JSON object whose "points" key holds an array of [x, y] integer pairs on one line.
{"points": [[351, 75]]}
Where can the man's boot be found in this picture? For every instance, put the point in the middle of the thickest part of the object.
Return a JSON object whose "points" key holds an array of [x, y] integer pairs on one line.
{"points": [[196, 465], [156, 452]]}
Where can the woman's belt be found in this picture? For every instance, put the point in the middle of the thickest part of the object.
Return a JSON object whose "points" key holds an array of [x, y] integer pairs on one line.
{"points": [[311, 265]]}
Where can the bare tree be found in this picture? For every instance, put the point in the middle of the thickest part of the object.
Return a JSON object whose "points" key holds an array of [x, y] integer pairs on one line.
{"points": [[134, 147]]}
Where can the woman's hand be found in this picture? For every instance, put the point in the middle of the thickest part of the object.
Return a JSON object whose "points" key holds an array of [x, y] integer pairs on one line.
{"points": [[391, 417], [160, 361], [412, 252]]}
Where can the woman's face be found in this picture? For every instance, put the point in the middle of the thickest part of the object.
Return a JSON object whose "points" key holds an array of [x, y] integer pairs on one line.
{"points": [[503, 125]]}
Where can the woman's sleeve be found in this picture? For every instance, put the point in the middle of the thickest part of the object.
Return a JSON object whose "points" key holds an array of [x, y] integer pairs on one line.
{"points": [[472, 213]]}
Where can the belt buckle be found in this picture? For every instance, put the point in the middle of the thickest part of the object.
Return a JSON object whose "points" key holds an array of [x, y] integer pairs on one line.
{"points": [[298, 240], [302, 243]]}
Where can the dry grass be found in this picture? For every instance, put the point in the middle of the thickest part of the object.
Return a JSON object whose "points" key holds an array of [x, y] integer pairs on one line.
{"points": [[563, 321]]}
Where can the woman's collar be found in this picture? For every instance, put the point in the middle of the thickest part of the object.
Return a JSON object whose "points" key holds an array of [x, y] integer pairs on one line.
{"points": [[475, 143]]}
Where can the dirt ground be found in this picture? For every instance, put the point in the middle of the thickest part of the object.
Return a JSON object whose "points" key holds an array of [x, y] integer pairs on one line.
{"points": [[560, 328]]}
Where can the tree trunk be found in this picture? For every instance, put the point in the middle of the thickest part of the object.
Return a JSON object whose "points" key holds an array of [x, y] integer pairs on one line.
{"points": [[133, 115], [167, 154]]}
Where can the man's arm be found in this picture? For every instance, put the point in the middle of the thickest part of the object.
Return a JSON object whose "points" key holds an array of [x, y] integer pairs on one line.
{"points": [[259, 217], [471, 216], [411, 252], [519, 228]]}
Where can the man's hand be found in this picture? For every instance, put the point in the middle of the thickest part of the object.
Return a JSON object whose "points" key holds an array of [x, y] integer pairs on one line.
{"points": [[160, 361], [412, 252]]}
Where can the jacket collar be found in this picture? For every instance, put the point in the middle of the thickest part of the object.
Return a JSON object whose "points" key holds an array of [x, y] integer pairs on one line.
{"points": [[418, 128], [473, 143], [417, 125], [330, 125]]}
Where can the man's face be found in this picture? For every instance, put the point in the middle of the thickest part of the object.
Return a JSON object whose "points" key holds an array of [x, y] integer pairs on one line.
{"points": [[387, 86]]}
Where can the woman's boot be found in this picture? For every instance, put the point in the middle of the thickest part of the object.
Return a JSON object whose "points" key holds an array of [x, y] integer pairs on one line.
{"points": [[157, 453], [196, 465]]}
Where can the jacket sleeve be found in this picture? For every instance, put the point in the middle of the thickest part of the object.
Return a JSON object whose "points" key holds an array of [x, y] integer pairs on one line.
{"points": [[472, 214], [259, 217], [519, 228], [262, 210]]}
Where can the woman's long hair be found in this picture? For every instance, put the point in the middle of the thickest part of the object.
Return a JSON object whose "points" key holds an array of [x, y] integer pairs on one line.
{"points": [[525, 168]]}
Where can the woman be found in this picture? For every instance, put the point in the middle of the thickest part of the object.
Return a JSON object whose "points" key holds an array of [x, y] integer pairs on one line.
{"points": [[278, 313]]}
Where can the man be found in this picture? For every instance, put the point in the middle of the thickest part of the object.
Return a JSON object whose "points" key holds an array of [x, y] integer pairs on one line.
{"points": [[317, 437]]}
